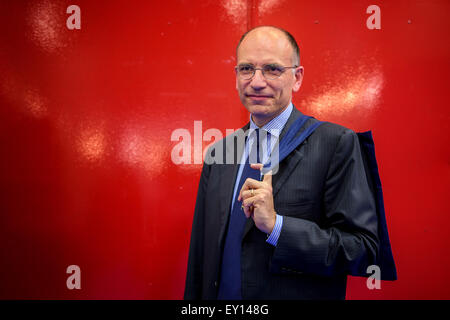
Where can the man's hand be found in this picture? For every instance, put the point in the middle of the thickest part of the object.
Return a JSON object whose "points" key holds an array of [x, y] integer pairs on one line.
{"points": [[257, 201]]}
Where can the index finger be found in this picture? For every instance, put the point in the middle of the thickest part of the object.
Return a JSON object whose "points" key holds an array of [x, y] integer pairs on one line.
{"points": [[268, 178]]}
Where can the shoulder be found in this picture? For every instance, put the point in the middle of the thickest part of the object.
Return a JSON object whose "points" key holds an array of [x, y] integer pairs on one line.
{"points": [[333, 137], [332, 130], [327, 131]]}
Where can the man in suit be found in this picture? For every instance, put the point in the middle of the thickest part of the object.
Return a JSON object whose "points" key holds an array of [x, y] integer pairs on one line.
{"points": [[295, 234]]}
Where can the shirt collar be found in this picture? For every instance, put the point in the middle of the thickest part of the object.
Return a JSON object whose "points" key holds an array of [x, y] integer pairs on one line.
{"points": [[277, 124]]}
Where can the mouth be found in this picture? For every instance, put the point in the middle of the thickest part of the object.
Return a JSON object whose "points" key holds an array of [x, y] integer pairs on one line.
{"points": [[258, 97]]}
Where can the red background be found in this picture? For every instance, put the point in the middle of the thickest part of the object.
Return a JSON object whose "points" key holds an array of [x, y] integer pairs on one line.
{"points": [[87, 115]]}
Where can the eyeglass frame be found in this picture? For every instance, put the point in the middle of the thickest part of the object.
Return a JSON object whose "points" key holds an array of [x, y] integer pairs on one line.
{"points": [[262, 71]]}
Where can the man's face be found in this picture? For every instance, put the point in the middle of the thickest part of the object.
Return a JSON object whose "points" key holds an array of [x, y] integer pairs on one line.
{"points": [[265, 98]]}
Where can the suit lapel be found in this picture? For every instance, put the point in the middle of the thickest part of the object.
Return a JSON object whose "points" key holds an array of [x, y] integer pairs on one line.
{"points": [[227, 182]]}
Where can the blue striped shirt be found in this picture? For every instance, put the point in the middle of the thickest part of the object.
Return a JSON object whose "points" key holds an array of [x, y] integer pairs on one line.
{"points": [[273, 128]]}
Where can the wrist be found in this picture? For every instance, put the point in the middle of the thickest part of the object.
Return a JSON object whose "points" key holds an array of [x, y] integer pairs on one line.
{"points": [[272, 223]]}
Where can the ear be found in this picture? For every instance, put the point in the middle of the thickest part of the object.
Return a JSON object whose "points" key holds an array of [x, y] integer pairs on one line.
{"points": [[298, 78], [235, 72]]}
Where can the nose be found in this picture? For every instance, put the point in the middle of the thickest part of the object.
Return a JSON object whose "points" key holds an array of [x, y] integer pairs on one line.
{"points": [[258, 81]]}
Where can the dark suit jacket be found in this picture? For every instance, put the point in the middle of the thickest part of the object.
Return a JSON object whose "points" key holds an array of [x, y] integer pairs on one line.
{"points": [[329, 227]]}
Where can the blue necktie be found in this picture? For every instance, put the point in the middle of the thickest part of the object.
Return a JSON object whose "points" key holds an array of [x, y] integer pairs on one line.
{"points": [[230, 280]]}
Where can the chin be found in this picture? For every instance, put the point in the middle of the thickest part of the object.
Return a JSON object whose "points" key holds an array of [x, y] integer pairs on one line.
{"points": [[259, 109], [261, 112], [263, 105]]}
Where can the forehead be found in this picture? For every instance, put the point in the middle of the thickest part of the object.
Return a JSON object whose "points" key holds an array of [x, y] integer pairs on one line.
{"points": [[265, 45]]}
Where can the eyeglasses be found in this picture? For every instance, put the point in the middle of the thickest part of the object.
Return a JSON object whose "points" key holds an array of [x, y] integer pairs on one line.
{"points": [[270, 71]]}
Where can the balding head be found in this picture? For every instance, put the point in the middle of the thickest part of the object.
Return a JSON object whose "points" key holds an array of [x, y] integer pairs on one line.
{"points": [[267, 31]]}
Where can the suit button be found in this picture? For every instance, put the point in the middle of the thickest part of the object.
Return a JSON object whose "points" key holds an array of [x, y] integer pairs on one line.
{"points": [[216, 284]]}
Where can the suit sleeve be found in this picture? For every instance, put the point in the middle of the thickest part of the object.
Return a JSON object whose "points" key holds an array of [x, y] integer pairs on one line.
{"points": [[193, 286], [346, 241]]}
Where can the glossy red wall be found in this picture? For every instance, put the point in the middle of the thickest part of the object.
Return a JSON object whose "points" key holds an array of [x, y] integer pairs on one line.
{"points": [[87, 115]]}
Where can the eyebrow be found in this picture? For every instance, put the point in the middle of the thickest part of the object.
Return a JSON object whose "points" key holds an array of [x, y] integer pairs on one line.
{"points": [[265, 64]]}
